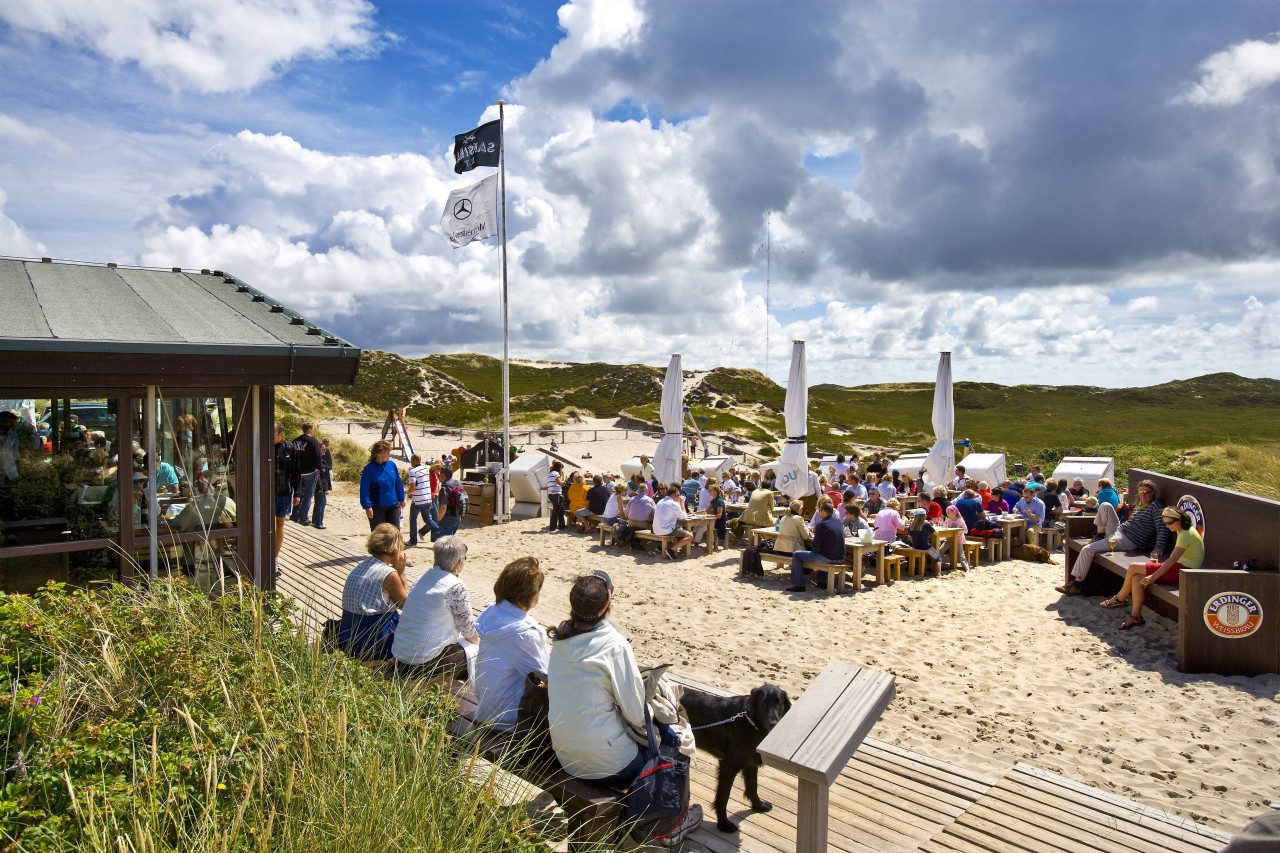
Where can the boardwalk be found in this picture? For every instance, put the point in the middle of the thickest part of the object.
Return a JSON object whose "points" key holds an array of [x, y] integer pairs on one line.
{"points": [[887, 798]]}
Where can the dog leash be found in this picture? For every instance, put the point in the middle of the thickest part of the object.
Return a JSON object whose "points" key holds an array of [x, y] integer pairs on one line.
{"points": [[736, 716]]}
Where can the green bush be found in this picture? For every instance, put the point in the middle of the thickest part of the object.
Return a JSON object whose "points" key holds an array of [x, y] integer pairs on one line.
{"points": [[349, 459], [164, 720]]}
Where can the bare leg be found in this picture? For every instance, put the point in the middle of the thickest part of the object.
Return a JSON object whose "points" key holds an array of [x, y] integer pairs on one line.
{"points": [[277, 541], [1139, 591], [1131, 587]]}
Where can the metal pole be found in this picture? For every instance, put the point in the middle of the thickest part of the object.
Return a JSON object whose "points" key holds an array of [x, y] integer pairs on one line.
{"points": [[153, 502], [505, 485]]}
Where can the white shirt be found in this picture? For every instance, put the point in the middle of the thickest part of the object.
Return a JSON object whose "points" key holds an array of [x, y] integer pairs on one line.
{"points": [[613, 508], [666, 515], [704, 499], [887, 491]]}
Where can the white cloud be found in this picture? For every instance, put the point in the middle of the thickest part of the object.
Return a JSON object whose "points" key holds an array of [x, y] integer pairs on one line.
{"points": [[1228, 76], [203, 45], [14, 239], [1142, 305], [17, 130]]}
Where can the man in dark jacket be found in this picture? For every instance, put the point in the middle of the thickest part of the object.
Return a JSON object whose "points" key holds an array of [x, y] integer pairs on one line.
{"points": [[287, 481], [308, 453], [324, 485], [828, 546], [597, 500]]}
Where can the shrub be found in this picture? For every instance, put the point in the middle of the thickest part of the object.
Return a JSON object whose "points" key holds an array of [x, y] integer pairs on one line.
{"points": [[349, 459], [183, 723]]}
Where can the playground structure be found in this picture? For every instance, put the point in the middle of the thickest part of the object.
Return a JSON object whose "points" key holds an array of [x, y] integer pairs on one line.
{"points": [[395, 427]]}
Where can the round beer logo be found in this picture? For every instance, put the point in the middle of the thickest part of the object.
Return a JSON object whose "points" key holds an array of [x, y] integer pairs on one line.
{"points": [[1233, 614], [1188, 504]]}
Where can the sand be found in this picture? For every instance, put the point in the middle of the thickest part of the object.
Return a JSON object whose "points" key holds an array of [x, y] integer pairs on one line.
{"points": [[992, 667]]}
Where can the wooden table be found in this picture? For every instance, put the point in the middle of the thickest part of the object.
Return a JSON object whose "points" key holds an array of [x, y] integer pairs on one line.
{"points": [[953, 534], [818, 736], [1009, 522], [907, 502], [855, 551], [708, 525]]}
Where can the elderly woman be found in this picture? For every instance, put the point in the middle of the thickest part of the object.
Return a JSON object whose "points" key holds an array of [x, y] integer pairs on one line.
{"points": [[1187, 553], [889, 523], [437, 617], [793, 533], [381, 489], [512, 643], [595, 689], [374, 591]]}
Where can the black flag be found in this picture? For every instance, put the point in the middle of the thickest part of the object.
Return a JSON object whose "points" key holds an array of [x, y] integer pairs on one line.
{"points": [[479, 147]]}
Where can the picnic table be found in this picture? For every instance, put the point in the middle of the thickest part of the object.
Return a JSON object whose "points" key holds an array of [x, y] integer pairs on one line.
{"points": [[707, 523], [1009, 522], [952, 534]]}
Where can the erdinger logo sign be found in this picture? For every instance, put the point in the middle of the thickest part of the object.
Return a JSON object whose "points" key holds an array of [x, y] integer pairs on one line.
{"points": [[1233, 615], [1188, 504]]}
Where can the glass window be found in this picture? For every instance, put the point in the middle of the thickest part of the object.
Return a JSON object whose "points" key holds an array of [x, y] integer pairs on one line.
{"points": [[57, 471]]}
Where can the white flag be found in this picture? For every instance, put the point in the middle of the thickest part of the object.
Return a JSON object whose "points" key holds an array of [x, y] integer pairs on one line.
{"points": [[471, 213]]}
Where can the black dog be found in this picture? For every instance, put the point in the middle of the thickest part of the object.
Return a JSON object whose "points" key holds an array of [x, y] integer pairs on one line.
{"points": [[735, 742]]}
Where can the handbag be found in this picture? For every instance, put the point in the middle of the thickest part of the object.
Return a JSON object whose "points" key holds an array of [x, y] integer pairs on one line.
{"points": [[658, 798], [532, 729]]}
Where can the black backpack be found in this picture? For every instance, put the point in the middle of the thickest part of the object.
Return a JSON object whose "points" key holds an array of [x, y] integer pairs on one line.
{"points": [[750, 565], [623, 534], [454, 500]]}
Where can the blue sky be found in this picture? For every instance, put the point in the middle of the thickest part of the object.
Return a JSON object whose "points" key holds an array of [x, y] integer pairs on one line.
{"points": [[1057, 192]]}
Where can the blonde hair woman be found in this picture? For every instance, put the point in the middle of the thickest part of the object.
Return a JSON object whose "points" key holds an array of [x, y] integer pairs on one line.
{"points": [[381, 489], [793, 533], [372, 596]]}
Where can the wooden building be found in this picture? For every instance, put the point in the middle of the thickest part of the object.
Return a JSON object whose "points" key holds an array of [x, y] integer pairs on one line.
{"points": [[144, 396]]}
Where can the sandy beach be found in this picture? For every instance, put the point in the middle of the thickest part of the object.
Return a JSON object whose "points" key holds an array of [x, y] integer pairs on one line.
{"points": [[992, 667]]}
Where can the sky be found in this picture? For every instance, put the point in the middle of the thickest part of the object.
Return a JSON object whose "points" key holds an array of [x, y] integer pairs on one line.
{"points": [[1076, 192]]}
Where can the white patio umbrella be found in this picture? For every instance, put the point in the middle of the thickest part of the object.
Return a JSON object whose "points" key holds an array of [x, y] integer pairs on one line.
{"points": [[793, 467], [942, 456], [666, 459]]}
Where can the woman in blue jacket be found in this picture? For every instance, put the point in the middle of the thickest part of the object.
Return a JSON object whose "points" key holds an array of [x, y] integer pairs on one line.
{"points": [[381, 489]]}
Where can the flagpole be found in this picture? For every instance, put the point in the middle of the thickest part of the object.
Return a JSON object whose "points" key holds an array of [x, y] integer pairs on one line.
{"points": [[505, 485]]}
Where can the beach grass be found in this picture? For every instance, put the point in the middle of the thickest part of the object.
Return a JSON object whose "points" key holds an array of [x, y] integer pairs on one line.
{"points": [[161, 719]]}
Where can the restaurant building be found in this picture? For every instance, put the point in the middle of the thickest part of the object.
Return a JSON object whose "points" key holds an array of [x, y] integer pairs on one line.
{"points": [[136, 412]]}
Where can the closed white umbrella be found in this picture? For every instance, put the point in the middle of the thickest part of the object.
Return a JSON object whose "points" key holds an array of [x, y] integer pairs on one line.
{"points": [[942, 456], [793, 467], [666, 459]]}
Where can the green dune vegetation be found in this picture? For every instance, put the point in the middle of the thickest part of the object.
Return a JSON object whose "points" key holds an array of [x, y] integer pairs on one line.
{"points": [[163, 720], [1221, 429]]}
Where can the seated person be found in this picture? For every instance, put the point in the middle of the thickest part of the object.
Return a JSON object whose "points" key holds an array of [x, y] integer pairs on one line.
{"points": [[888, 523], [853, 521], [667, 516], [640, 510], [970, 508], [759, 512], [372, 596], [873, 504], [689, 491], [437, 618], [920, 535], [954, 519], [1107, 494], [597, 498], [960, 481], [575, 496], [1052, 504], [1144, 531], [1188, 553], [613, 508], [828, 546], [1077, 489], [206, 509], [996, 505], [1031, 509], [938, 503], [512, 643], [886, 488], [1012, 493], [793, 534]]}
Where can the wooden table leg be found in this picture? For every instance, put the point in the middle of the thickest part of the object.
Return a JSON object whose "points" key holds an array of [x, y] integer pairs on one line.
{"points": [[811, 817]]}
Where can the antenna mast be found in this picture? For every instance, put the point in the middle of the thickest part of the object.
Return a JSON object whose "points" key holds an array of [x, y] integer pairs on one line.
{"points": [[768, 275]]}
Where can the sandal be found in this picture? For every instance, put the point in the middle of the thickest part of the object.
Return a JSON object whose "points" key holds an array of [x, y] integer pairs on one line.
{"points": [[1113, 603], [1132, 622]]}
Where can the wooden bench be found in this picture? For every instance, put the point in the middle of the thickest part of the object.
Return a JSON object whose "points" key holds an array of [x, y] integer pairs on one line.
{"points": [[972, 553], [666, 540], [835, 571], [818, 736], [1237, 527]]}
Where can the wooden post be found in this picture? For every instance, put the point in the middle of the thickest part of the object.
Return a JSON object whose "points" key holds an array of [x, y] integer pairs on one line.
{"points": [[811, 816]]}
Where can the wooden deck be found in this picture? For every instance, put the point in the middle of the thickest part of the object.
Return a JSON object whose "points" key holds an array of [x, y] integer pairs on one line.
{"points": [[886, 799]]}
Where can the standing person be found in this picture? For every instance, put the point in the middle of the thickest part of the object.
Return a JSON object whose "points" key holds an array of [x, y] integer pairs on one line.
{"points": [[286, 477], [646, 469], [828, 547], [718, 512], [308, 451], [381, 489], [420, 503], [324, 485], [439, 476], [453, 503], [555, 495]]}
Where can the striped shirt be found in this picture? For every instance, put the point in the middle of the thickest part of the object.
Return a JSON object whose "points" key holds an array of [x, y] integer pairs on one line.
{"points": [[362, 594], [1145, 527], [420, 480]]}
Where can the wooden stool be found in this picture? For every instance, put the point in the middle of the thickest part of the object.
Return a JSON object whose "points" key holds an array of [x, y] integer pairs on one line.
{"points": [[995, 549], [606, 530], [972, 550], [893, 567], [915, 560], [1050, 538]]}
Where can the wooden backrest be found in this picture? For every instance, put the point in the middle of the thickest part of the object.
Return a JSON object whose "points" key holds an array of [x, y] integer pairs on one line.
{"points": [[1236, 526]]}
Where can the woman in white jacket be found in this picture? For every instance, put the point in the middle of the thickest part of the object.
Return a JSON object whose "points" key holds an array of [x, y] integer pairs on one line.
{"points": [[512, 643], [594, 689]]}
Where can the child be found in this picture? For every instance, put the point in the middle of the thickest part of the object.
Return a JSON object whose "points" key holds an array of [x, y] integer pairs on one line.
{"points": [[920, 532], [954, 519]]}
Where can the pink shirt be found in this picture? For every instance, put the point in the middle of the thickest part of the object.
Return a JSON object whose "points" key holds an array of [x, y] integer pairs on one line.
{"points": [[888, 523]]}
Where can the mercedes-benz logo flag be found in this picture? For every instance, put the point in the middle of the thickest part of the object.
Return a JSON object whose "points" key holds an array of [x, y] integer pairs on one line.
{"points": [[471, 213], [479, 147]]}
